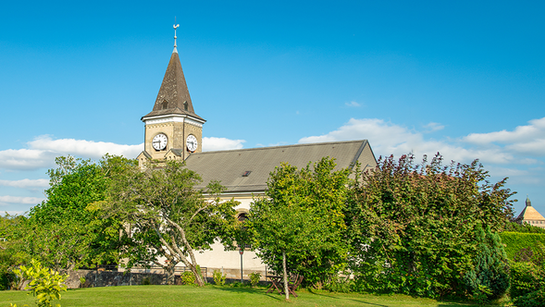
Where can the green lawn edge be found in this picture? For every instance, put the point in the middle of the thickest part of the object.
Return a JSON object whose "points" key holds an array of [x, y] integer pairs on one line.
{"points": [[217, 296]]}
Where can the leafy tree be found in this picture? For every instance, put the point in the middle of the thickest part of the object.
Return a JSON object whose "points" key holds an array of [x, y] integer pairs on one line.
{"points": [[298, 227], [13, 228], [166, 216], [65, 234], [411, 227]]}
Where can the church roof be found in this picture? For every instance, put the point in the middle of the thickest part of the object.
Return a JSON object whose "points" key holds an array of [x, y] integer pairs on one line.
{"points": [[529, 213], [247, 170], [173, 96]]}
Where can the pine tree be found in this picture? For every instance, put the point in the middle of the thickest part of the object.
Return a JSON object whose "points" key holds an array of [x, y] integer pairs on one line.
{"points": [[489, 278]]}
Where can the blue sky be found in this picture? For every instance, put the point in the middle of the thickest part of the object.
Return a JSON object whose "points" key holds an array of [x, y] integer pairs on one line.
{"points": [[465, 78]]}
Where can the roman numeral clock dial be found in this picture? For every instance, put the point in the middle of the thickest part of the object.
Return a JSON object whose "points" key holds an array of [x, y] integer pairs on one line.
{"points": [[191, 143], [159, 142]]}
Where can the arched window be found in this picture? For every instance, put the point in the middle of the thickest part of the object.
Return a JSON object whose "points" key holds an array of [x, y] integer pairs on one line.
{"points": [[165, 105], [185, 106]]}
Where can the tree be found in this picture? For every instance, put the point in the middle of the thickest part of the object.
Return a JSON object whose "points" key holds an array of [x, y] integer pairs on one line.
{"points": [[298, 227], [12, 231], [411, 227], [65, 234], [166, 216], [489, 278]]}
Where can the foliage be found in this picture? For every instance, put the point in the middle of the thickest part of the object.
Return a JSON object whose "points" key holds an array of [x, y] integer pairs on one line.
{"points": [[339, 284], [64, 232], [188, 278], [532, 299], [13, 228], [46, 285], [302, 217], [515, 242], [167, 216], [524, 228], [411, 227], [254, 278], [219, 278], [526, 277], [489, 278], [528, 271]]}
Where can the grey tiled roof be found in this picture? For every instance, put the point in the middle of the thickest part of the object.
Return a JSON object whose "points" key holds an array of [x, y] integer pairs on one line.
{"points": [[173, 91], [229, 166]]}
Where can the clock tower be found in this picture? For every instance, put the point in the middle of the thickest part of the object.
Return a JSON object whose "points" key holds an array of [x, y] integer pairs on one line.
{"points": [[172, 129]]}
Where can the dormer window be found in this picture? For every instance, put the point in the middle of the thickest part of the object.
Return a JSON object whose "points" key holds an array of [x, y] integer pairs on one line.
{"points": [[164, 105], [185, 106]]}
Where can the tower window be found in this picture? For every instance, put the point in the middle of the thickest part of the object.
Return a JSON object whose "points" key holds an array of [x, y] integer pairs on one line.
{"points": [[185, 105], [165, 105]]}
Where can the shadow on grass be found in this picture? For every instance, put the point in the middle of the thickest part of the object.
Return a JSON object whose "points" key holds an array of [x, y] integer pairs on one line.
{"points": [[346, 298], [250, 290]]}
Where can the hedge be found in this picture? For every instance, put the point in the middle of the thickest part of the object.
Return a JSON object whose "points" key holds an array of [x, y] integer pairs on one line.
{"points": [[515, 241]]}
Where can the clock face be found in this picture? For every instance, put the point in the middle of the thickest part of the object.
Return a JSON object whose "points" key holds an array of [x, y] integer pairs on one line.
{"points": [[159, 142], [191, 143]]}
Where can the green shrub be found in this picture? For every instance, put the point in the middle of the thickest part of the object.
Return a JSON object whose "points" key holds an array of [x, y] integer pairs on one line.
{"points": [[526, 277], [46, 285], [338, 284], [254, 278], [219, 279], [532, 299], [146, 281], [188, 278], [515, 241]]}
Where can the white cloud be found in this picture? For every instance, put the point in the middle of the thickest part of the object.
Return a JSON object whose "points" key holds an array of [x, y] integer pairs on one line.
{"points": [[387, 138], [434, 127], [522, 134], [43, 150], [25, 183], [20, 200], [352, 104], [213, 144], [83, 148]]}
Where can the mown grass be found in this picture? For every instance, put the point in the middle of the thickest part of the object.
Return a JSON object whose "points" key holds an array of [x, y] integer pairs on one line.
{"points": [[216, 296]]}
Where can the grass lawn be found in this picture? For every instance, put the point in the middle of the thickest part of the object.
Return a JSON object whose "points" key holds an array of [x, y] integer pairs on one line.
{"points": [[215, 296]]}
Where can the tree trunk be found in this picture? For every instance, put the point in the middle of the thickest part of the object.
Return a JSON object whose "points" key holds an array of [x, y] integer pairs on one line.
{"points": [[170, 270], [198, 277], [285, 275]]}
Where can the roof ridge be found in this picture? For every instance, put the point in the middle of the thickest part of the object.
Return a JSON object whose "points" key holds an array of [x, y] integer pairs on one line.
{"points": [[282, 146]]}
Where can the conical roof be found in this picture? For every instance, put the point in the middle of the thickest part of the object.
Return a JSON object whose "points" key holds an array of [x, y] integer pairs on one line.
{"points": [[529, 213], [173, 96]]}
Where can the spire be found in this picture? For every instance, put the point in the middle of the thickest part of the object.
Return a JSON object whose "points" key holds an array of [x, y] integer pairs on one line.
{"points": [[173, 96], [175, 37]]}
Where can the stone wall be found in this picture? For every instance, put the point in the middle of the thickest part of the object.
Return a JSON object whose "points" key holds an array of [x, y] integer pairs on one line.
{"points": [[94, 278]]}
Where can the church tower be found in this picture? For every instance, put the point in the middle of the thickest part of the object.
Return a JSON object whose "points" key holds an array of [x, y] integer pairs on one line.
{"points": [[172, 129]]}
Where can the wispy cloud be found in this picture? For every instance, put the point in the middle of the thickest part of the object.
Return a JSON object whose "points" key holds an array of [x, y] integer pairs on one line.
{"points": [[431, 127], [26, 183], [387, 138], [352, 104], [20, 200], [213, 144]]}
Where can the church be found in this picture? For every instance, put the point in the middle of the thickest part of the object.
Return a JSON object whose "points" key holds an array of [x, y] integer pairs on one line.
{"points": [[173, 130]]}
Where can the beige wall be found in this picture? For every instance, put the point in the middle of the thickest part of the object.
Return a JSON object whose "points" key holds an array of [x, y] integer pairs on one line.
{"points": [[176, 132]]}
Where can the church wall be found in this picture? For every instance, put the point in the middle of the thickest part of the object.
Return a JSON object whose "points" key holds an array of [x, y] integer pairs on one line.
{"points": [[197, 132], [151, 131]]}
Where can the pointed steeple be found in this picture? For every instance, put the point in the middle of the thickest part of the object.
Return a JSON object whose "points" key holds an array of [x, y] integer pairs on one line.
{"points": [[173, 96]]}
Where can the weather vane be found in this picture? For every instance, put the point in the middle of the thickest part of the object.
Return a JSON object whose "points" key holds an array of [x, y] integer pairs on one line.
{"points": [[175, 27]]}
